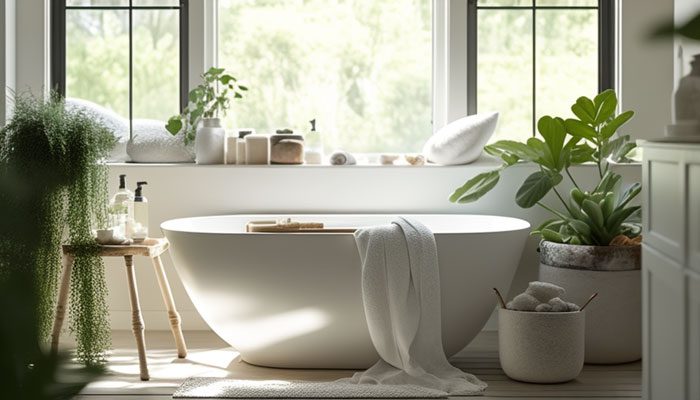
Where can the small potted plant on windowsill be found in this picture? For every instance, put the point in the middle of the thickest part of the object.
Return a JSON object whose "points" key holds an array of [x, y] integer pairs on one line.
{"points": [[592, 243], [200, 119]]}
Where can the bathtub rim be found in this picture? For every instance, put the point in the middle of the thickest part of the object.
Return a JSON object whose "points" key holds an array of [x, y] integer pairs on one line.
{"points": [[171, 225]]}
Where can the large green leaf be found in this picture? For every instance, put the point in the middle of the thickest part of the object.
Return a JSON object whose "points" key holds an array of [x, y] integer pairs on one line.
{"points": [[521, 150], [592, 209], [581, 153], [629, 194], [535, 187], [476, 187], [609, 129], [584, 109], [554, 134], [606, 104], [579, 129]]}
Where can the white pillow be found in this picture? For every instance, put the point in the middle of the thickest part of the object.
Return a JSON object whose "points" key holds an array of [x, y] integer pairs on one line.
{"points": [[461, 141], [153, 144]]}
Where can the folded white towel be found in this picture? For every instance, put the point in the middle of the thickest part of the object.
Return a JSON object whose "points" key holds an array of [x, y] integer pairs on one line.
{"points": [[401, 295]]}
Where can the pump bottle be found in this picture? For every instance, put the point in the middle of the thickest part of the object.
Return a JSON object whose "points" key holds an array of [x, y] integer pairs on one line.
{"points": [[119, 208], [140, 213]]}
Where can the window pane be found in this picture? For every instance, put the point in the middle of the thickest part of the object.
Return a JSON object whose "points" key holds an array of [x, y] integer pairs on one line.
{"points": [[504, 78], [504, 3], [569, 3], [567, 59], [100, 3], [97, 57], [156, 3], [156, 64], [362, 68]]}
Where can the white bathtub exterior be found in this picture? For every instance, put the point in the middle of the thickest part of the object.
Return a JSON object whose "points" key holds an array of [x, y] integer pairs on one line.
{"points": [[294, 300]]}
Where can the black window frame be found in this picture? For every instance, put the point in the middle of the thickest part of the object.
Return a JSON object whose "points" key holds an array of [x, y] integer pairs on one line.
{"points": [[606, 47], [58, 46]]}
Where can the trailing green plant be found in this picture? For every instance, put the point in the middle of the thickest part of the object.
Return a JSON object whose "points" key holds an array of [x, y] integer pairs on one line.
{"points": [[589, 217], [212, 97], [61, 151]]}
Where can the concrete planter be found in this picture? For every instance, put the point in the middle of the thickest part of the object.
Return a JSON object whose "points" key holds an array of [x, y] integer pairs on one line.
{"points": [[614, 318], [541, 347]]}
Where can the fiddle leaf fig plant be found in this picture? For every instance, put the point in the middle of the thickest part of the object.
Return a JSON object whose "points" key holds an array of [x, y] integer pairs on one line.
{"points": [[208, 100], [588, 217]]}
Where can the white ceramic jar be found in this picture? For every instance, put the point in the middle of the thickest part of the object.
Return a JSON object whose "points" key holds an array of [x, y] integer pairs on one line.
{"points": [[209, 142], [541, 347]]}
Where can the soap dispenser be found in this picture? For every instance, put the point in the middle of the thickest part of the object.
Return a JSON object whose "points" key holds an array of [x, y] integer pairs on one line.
{"points": [[314, 145], [140, 214], [119, 208]]}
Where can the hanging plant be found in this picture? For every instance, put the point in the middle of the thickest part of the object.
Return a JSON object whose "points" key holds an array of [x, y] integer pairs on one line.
{"points": [[63, 150]]}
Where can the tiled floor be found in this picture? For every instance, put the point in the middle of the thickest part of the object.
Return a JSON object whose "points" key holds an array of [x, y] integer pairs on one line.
{"points": [[209, 356]]}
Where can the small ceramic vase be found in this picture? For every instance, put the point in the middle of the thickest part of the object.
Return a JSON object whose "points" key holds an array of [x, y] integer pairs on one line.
{"points": [[209, 142]]}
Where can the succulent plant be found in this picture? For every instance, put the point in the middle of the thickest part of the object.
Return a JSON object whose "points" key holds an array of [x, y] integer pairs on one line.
{"points": [[589, 217]]}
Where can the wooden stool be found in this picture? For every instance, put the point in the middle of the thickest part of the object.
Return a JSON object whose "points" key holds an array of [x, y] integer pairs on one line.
{"points": [[152, 248]]}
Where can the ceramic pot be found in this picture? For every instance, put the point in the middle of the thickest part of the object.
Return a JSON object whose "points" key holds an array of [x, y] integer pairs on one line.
{"points": [[209, 142], [541, 347], [614, 320]]}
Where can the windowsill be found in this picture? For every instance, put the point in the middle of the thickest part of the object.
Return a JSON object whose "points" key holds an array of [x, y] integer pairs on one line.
{"points": [[483, 162]]}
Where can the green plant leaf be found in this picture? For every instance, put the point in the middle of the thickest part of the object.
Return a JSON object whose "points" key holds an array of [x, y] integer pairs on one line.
{"points": [[619, 216], [581, 153], [535, 187], [621, 153], [554, 134], [476, 187], [580, 227], [629, 194], [552, 236], [592, 209], [607, 205], [606, 104], [552, 223], [243, 88], [609, 129], [585, 110], [521, 150], [579, 129], [174, 125]]}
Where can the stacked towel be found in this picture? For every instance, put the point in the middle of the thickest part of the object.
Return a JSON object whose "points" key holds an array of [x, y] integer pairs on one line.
{"points": [[401, 295]]}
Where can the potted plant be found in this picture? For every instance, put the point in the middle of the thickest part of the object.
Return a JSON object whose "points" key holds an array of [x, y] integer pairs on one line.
{"points": [[54, 177], [207, 102], [592, 242]]}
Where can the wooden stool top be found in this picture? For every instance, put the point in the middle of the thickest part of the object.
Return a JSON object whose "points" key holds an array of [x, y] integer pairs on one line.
{"points": [[151, 247]]}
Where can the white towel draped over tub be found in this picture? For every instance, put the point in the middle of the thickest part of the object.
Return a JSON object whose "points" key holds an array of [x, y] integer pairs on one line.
{"points": [[401, 295]]}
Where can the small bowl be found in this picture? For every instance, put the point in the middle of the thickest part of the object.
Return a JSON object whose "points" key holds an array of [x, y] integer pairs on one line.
{"points": [[104, 236], [541, 347]]}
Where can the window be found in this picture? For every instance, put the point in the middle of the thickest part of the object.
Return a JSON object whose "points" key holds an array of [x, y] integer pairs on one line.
{"points": [[531, 58], [373, 74], [129, 56], [361, 68]]}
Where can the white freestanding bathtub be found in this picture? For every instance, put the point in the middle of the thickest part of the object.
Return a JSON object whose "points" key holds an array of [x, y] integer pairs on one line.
{"points": [[294, 300]]}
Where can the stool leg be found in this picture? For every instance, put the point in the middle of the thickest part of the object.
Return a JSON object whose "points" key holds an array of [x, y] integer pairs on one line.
{"points": [[173, 315], [63, 292], [136, 318]]}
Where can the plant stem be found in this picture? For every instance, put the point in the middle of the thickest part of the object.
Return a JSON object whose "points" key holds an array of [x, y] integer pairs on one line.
{"points": [[572, 178], [557, 213], [562, 201]]}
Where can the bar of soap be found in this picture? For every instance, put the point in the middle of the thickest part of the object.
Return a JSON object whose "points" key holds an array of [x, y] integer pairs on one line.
{"points": [[287, 151]]}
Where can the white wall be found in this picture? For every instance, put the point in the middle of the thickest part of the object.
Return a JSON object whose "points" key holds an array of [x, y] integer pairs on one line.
{"points": [[646, 67], [176, 191]]}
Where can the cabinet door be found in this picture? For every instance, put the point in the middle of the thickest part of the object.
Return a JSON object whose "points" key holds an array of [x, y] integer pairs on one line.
{"points": [[664, 336]]}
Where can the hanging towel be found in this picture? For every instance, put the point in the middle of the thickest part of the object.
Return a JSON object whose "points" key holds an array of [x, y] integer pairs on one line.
{"points": [[401, 295]]}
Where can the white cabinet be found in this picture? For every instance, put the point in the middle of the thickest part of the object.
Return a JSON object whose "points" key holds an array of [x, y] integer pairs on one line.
{"points": [[671, 271]]}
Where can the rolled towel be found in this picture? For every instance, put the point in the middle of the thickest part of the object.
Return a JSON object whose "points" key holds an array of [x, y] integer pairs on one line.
{"points": [[544, 291], [523, 302], [544, 307], [341, 157], [558, 305]]}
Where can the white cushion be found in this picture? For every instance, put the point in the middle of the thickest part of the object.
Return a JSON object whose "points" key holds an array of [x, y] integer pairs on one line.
{"points": [[461, 141], [153, 144], [113, 121]]}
